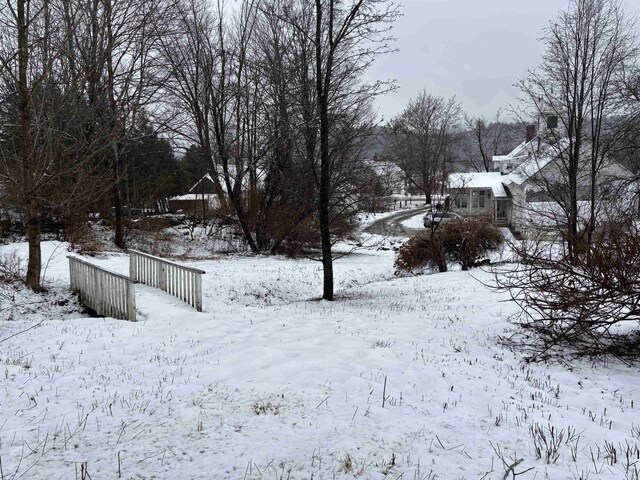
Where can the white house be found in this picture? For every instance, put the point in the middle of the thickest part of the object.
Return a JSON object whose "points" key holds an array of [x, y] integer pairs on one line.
{"points": [[523, 190], [481, 194]]}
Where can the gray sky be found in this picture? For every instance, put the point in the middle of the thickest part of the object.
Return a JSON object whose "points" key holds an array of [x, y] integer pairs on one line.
{"points": [[473, 49]]}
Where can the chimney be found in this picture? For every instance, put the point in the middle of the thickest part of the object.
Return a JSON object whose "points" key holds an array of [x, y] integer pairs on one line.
{"points": [[531, 133]]}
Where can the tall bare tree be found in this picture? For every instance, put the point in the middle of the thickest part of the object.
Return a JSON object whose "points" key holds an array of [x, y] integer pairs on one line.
{"points": [[275, 92], [589, 49], [191, 59], [578, 295], [214, 79], [347, 37], [114, 58], [420, 140]]}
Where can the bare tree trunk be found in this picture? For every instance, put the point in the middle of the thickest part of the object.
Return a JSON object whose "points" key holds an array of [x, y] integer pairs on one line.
{"points": [[323, 79], [31, 205], [118, 203], [33, 239]]}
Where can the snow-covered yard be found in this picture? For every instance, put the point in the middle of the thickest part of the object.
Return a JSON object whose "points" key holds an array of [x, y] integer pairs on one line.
{"points": [[400, 377]]}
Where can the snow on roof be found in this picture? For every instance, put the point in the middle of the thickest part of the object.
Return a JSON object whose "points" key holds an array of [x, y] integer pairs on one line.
{"points": [[517, 155], [538, 157], [492, 180], [527, 169], [516, 152], [196, 196], [207, 176]]}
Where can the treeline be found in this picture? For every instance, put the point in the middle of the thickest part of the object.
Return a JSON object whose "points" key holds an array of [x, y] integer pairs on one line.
{"points": [[268, 94]]}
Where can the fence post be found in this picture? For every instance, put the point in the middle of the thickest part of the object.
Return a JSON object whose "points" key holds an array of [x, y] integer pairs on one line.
{"points": [[133, 270], [72, 275], [96, 291], [131, 301], [162, 280], [198, 292]]}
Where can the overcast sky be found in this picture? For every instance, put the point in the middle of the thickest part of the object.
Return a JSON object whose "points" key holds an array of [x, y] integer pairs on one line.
{"points": [[473, 49]]}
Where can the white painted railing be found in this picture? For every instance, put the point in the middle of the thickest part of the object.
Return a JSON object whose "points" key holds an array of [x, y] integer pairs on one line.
{"points": [[178, 280], [107, 293]]}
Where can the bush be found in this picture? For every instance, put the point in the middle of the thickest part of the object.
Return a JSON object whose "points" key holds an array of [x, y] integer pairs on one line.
{"points": [[467, 240], [11, 267], [422, 251], [464, 241], [292, 232], [587, 304]]}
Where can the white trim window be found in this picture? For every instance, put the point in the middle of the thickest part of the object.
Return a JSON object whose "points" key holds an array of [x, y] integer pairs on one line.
{"points": [[478, 199], [461, 200]]}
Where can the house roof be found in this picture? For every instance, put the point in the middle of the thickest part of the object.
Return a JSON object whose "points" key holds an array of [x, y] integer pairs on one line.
{"points": [[196, 196], [527, 169], [513, 154], [538, 156], [206, 176], [486, 180]]}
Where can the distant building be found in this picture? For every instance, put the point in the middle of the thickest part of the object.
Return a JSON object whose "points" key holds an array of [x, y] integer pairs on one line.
{"points": [[201, 200], [523, 190]]}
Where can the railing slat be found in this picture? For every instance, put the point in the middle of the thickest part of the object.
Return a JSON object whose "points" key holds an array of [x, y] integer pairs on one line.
{"points": [[107, 293], [178, 280]]}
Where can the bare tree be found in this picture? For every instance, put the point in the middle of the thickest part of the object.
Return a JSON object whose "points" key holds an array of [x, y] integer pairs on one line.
{"points": [[348, 36], [212, 76], [420, 140], [46, 161], [275, 92], [113, 50], [191, 58], [578, 292], [483, 139], [589, 48]]}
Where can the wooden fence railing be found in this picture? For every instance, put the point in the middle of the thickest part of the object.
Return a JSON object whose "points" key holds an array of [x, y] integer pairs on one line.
{"points": [[107, 293], [178, 280]]}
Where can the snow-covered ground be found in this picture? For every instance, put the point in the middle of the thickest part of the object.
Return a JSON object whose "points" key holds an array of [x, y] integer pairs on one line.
{"points": [[401, 377], [415, 222]]}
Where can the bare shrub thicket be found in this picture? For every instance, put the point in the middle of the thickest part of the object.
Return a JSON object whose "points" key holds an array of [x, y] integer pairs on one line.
{"points": [[11, 267], [577, 285], [421, 251], [304, 236], [468, 240], [590, 303], [463, 241]]}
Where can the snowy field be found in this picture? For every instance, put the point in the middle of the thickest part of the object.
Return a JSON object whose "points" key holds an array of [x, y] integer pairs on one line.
{"points": [[400, 378]]}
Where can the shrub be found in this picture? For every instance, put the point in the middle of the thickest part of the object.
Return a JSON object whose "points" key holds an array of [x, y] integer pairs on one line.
{"points": [[464, 241], [11, 267], [294, 232], [424, 250], [585, 304], [467, 240]]}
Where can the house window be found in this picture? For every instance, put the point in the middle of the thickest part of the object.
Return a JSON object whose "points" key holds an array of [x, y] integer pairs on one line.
{"points": [[461, 200], [478, 198]]}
